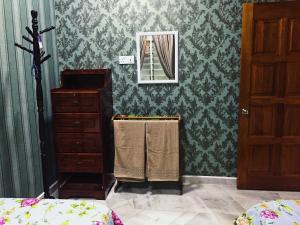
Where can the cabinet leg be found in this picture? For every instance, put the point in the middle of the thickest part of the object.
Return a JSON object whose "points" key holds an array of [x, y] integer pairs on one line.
{"points": [[119, 183], [181, 188]]}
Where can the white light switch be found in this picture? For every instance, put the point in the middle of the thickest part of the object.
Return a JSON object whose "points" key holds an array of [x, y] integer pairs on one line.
{"points": [[126, 59]]}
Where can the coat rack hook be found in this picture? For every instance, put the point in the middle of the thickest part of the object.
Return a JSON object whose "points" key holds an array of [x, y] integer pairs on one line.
{"points": [[29, 31], [27, 39], [47, 29], [45, 58], [25, 49]]}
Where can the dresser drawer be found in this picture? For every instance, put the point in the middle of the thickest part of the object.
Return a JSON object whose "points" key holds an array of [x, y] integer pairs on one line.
{"points": [[78, 142], [91, 163], [75, 102], [77, 122]]}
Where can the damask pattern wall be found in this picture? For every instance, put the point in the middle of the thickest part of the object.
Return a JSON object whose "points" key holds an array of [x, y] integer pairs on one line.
{"points": [[20, 167], [93, 34]]}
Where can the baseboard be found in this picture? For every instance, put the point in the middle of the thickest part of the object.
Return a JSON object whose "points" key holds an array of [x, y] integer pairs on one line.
{"points": [[52, 189], [209, 180]]}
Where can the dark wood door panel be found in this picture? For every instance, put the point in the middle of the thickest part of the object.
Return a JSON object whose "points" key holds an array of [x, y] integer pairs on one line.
{"points": [[262, 119], [280, 9], [273, 183], [290, 140], [78, 142], [294, 36], [77, 122], [263, 79], [263, 140], [290, 160], [293, 79], [260, 159], [291, 124], [266, 37], [263, 182]]}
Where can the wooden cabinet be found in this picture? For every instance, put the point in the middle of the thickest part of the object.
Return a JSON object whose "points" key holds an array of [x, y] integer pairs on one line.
{"points": [[82, 109]]}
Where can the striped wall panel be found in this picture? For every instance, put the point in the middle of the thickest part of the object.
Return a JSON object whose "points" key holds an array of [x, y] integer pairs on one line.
{"points": [[20, 166]]}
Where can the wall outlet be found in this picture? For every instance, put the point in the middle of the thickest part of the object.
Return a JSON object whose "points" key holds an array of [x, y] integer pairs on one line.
{"points": [[126, 59]]}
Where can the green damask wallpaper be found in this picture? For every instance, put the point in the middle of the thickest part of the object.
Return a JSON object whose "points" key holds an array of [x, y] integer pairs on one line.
{"points": [[92, 34]]}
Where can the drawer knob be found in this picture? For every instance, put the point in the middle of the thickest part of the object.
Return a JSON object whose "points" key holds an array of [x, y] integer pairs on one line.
{"points": [[77, 122], [78, 142], [75, 102]]}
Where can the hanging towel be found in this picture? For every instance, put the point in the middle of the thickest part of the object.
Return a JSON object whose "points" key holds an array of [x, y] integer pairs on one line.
{"points": [[162, 138], [129, 150]]}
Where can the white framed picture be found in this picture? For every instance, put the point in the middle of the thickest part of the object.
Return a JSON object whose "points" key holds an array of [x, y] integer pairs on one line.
{"points": [[157, 57]]}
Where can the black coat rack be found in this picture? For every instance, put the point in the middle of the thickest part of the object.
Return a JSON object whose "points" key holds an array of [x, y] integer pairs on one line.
{"points": [[38, 59]]}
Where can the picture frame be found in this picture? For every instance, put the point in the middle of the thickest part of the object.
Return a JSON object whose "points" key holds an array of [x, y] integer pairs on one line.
{"points": [[157, 57]]}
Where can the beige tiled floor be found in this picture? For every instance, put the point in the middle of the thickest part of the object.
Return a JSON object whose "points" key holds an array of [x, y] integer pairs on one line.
{"points": [[201, 204]]}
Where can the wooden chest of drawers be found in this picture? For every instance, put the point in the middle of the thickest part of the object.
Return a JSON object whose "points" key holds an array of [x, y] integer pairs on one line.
{"points": [[82, 109]]}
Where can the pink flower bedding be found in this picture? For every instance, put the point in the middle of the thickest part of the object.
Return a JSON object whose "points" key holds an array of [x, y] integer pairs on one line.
{"points": [[279, 212], [55, 212]]}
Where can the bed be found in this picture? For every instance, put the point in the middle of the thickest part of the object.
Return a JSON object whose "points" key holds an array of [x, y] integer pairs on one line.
{"points": [[33, 211], [279, 212]]}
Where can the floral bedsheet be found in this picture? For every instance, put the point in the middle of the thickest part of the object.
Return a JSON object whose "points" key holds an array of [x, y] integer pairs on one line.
{"points": [[279, 212], [55, 212]]}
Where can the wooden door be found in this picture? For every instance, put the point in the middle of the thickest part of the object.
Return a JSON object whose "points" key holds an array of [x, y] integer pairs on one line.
{"points": [[269, 118]]}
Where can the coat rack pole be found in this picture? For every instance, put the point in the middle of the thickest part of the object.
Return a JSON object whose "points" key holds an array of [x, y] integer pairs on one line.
{"points": [[40, 102], [37, 61]]}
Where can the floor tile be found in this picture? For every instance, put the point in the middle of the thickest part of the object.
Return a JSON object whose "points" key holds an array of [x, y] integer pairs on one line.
{"points": [[203, 219], [200, 204], [226, 218], [151, 217]]}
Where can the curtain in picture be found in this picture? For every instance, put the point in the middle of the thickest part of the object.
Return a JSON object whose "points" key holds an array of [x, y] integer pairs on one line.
{"points": [[165, 47], [143, 46]]}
